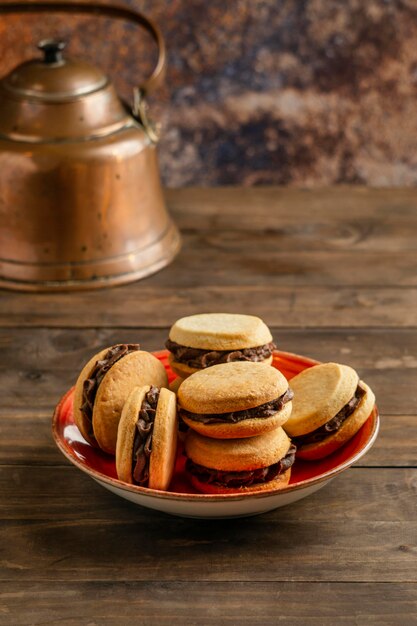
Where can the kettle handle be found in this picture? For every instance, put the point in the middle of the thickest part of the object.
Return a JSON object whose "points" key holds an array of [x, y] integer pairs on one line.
{"points": [[112, 11]]}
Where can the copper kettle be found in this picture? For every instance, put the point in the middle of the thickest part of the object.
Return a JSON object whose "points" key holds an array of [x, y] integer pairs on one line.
{"points": [[81, 204]]}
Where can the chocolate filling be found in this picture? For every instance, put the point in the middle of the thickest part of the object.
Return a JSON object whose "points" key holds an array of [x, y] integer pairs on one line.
{"points": [[262, 411], [200, 359], [241, 479], [335, 423], [92, 383], [142, 443]]}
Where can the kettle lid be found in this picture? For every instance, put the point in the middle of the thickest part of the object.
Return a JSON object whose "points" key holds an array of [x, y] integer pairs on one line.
{"points": [[54, 77]]}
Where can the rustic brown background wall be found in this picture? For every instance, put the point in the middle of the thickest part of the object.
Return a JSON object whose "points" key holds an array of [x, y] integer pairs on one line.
{"points": [[293, 92]]}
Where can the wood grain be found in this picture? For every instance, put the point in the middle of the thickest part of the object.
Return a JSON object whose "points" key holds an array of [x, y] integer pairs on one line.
{"points": [[43, 494], [327, 219], [222, 259], [39, 365], [64, 349], [211, 604], [153, 307], [396, 445], [61, 526], [273, 252]]}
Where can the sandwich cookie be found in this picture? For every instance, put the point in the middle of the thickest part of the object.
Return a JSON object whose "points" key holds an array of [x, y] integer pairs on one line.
{"points": [[200, 341], [104, 385], [234, 400], [329, 407], [147, 438], [239, 465]]}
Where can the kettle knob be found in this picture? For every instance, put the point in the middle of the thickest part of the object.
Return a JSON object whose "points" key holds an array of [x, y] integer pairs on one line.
{"points": [[52, 50]]}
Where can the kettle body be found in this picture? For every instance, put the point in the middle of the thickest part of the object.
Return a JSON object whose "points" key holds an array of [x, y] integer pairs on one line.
{"points": [[81, 202]]}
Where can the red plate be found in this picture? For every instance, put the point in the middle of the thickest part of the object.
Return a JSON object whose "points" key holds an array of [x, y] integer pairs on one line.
{"points": [[101, 466]]}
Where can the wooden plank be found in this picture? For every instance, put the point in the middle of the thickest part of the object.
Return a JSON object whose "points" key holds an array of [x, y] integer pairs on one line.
{"points": [[263, 264], [63, 526], [66, 349], [359, 494], [229, 258], [322, 219], [25, 439], [39, 365], [396, 445], [263, 251], [143, 305], [110, 550], [216, 604]]}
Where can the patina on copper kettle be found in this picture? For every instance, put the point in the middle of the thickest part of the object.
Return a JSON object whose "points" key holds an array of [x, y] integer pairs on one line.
{"points": [[81, 204]]}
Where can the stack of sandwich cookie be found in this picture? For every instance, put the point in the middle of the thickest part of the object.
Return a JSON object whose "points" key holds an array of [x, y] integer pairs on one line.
{"points": [[330, 405], [239, 465], [147, 438], [104, 385], [235, 413], [201, 341]]}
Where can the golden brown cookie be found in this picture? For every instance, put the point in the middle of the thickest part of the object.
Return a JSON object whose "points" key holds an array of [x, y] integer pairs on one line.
{"points": [[330, 405], [220, 331], [233, 400], [204, 340], [348, 429], [239, 465], [279, 482], [98, 418], [147, 438], [319, 393]]}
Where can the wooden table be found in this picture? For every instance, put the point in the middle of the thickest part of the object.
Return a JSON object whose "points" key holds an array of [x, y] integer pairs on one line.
{"points": [[334, 273]]}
